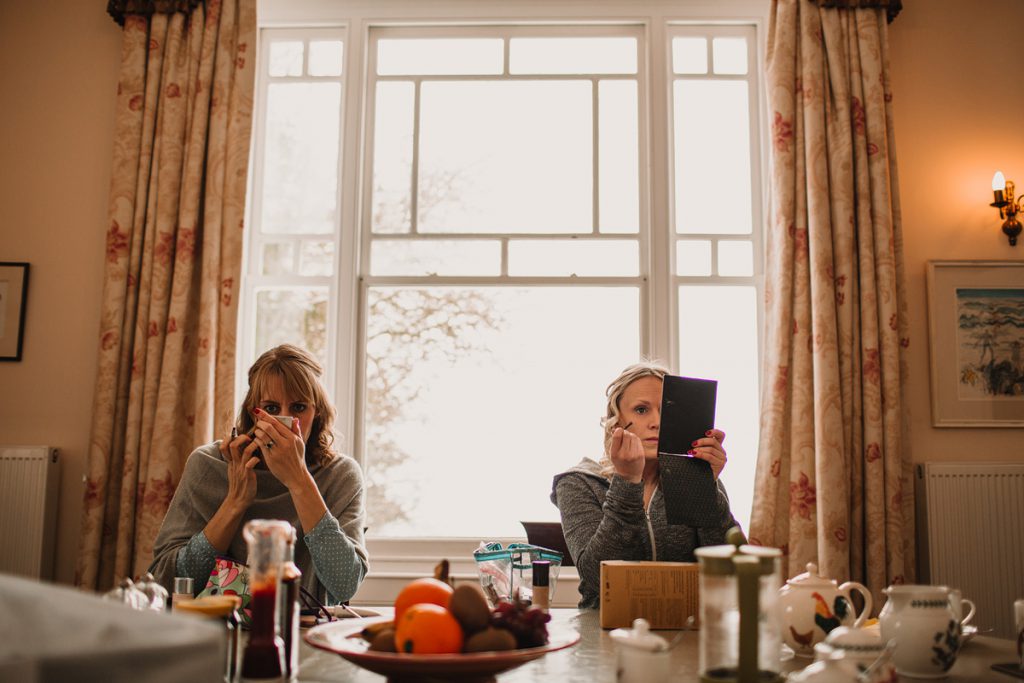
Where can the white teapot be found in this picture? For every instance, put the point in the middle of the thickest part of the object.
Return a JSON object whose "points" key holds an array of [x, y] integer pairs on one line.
{"points": [[810, 606]]}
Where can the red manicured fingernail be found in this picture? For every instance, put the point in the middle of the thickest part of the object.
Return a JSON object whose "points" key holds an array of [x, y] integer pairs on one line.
{"points": [[707, 433], [256, 410], [694, 443], [689, 452]]}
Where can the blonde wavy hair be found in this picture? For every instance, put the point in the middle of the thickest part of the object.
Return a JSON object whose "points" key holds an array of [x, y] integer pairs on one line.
{"points": [[300, 376], [614, 393]]}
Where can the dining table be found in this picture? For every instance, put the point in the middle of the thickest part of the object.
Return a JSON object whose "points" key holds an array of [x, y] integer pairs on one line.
{"points": [[593, 658]]}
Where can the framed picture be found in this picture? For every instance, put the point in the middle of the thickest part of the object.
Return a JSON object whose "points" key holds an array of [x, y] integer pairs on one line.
{"points": [[13, 290], [976, 340]]}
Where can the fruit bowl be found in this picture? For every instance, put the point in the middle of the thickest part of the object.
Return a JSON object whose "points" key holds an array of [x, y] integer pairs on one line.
{"points": [[343, 638]]}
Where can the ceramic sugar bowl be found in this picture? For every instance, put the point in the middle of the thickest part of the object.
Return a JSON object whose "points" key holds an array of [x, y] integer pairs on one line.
{"points": [[867, 657], [810, 606]]}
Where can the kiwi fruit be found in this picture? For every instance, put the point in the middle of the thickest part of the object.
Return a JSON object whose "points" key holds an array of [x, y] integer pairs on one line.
{"points": [[383, 641], [489, 640], [469, 607]]}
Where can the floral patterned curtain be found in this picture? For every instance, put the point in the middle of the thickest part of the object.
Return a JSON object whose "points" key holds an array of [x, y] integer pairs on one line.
{"points": [[167, 331], [833, 482]]}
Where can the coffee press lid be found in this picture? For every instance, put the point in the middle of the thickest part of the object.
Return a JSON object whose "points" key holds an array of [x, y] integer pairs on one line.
{"points": [[719, 560]]}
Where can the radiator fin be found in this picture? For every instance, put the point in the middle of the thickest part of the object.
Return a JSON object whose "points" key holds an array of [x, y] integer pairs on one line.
{"points": [[29, 480], [974, 536]]}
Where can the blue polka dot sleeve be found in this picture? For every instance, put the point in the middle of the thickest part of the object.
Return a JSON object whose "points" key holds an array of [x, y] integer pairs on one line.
{"points": [[196, 559], [335, 559]]}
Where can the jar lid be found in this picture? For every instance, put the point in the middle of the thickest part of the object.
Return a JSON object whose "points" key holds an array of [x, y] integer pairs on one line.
{"points": [[211, 605], [639, 637], [719, 560], [811, 579], [855, 639]]}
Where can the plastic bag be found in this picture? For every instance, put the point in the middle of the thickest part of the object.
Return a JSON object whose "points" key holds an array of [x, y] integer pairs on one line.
{"points": [[503, 571]]}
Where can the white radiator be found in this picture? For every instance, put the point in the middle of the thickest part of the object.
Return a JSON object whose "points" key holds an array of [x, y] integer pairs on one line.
{"points": [[971, 535], [29, 482]]}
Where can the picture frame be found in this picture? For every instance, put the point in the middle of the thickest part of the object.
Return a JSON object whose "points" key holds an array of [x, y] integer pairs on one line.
{"points": [[13, 296], [976, 343]]}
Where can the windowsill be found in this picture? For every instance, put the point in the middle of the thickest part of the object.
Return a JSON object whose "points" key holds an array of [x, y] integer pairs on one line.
{"points": [[395, 562]]}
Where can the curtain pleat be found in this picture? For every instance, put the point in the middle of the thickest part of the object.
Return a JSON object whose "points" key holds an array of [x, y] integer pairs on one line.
{"points": [[833, 481], [169, 313]]}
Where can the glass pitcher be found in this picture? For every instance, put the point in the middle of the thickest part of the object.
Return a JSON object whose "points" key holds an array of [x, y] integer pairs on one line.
{"points": [[740, 640]]}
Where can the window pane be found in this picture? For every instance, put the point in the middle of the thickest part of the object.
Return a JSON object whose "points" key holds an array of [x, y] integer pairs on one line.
{"points": [[300, 164], [325, 58], [392, 158], [693, 257], [573, 257], [294, 315], [489, 386], [435, 56], [619, 161], [278, 258], [735, 258], [730, 55], [729, 356], [506, 157], [435, 257], [572, 55], [285, 58], [712, 157], [316, 259], [690, 55]]}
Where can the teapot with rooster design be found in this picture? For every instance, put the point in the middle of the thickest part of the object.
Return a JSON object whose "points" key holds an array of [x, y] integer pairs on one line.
{"points": [[810, 606]]}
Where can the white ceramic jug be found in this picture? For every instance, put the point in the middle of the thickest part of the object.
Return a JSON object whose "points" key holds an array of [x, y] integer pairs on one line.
{"points": [[922, 621], [810, 606]]}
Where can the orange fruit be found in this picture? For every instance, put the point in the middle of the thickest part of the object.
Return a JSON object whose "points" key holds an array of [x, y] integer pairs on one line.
{"points": [[422, 590], [427, 629]]}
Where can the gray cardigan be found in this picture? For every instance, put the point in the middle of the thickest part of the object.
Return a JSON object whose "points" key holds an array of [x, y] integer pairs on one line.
{"points": [[604, 519], [203, 486]]}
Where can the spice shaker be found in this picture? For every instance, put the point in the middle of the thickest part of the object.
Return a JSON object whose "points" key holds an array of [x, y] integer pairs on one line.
{"points": [[182, 591], [541, 578]]}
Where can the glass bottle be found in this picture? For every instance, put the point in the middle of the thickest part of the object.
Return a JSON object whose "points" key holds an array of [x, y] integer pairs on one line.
{"points": [[291, 578], [264, 655]]}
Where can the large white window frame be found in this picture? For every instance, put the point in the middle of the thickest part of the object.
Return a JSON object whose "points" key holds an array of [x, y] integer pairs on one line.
{"points": [[396, 560]]}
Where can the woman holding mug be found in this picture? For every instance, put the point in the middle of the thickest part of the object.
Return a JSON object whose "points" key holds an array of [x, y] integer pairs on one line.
{"points": [[267, 470], [614, 509]]}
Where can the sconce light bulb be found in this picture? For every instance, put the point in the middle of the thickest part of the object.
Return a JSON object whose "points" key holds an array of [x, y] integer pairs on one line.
{"points": [[998, 181]]}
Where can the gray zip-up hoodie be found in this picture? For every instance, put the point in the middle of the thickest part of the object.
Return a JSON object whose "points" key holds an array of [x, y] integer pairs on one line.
{"points": [[604, 519]]}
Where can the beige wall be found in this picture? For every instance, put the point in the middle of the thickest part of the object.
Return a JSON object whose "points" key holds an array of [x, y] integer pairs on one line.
{"points": [[958, 118], [58, 79], [959, 105]]}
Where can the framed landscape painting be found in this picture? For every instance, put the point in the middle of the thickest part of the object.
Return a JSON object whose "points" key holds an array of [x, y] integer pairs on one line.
{"points": [[976, 341]]}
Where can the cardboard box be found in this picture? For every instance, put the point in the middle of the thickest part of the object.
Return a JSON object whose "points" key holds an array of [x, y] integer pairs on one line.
{"points": [[666, 594]]}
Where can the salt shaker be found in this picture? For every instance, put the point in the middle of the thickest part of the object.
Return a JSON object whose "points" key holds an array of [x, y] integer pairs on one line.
{"points": [[642, 657]]}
